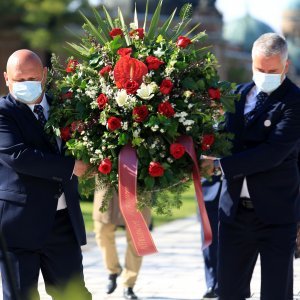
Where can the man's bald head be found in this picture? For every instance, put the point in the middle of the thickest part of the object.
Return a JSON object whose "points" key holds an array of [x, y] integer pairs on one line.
{"points": [[24, 65]]}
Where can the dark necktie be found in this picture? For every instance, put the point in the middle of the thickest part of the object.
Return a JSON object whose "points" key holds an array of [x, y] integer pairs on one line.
{"points": [[39, 110], [261, 98]]}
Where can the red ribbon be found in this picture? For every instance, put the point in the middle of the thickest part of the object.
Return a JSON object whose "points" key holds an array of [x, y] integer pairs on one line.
{"points": [[188, 143], [135, 222]]}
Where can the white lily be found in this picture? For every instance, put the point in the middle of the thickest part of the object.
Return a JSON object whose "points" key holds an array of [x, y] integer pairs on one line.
{"points": [[145, 91]]}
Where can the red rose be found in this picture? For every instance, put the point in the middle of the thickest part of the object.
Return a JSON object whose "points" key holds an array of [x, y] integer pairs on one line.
{"points": [[102, 100], [105, 70], [105, 166], [131, 86], [71, 67], [166, 86], [153, 62], [65, 133], [214, 93], [140, 113], [67, 95], [124, 51], [115, 32], [77, 126], [156, 169], [166, 109], [183, 41], [177, 150], [138, 31], [207, 141], [113, 123]]}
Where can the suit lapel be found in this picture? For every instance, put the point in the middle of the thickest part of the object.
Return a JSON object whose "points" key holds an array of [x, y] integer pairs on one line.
{"points": [[277, 95]]}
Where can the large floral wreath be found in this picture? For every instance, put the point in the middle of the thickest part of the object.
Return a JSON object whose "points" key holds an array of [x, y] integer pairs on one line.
{"points": [[144, 87]]}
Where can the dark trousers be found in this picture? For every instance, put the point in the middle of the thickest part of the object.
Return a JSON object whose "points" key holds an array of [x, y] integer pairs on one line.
{"points": [[210, 253], [240, 243], [59, 260]]}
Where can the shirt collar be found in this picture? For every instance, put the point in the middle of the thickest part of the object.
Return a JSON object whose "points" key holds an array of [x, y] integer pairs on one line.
{"points": [[43, 103]]}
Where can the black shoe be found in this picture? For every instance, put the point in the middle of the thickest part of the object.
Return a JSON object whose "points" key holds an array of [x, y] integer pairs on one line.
{"points": [[112, 283], [210, 295], [129, 294]]}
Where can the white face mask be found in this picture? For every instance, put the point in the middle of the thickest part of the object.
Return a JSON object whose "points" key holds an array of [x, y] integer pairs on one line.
{"points": [[266, 82], [27, 91]]}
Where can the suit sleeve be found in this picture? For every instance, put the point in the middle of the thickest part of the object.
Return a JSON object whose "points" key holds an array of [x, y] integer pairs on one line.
{"points": [[271, 153], [27, 160]]}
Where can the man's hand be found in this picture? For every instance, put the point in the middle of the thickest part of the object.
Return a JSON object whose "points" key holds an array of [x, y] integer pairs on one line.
{"points": [[80, 168], [207, 165]]}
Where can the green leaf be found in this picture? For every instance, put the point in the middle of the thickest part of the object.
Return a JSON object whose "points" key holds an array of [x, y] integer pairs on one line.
{"points": [[123, 139], [124, 27], [189, 83], [116, 43], [146, 15], [154, 22], [102, 24], [228, 103], [149, 182], [108, 18], [165, 27]]}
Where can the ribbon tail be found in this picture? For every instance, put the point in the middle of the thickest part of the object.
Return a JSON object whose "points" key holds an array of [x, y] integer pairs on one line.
{"points": [[135, 222], [206, 228]]}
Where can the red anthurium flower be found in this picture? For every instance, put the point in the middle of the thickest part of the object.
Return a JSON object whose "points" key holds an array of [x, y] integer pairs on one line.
{"points": [[113, 123], [128, 68], [105, 70], [124, 51], [177, 150], [102, 100], [153, 62], [131, 87], [166, 109], [214, 93], [183, 41], [115, 32], [67, 95], [71, 67], [207, 141], [140, 113], [139, 32], [166, 86], [65, 133], [156, 169], [105, 166]]}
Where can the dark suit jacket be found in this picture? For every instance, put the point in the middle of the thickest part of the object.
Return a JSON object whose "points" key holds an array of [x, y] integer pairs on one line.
{"points": [[30, 174], [266, 152]]}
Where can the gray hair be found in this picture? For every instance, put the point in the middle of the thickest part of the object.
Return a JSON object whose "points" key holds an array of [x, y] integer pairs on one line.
{"points": [[270, 44]]}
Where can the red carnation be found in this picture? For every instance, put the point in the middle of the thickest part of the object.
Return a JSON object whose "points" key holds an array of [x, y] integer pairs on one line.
{"points": [[105, 166], [140, 113], [156, 169], [102, 100], [77, 126], [166, 109], [113, 123], [153, 62], [183, 41], [67, 95], [166, 86], [115, 32], [177, 150], [124, 51], [207, 141], [131, 86], [105, 70], [71, 66], [65, 133], [138, 31], [214, 93]]}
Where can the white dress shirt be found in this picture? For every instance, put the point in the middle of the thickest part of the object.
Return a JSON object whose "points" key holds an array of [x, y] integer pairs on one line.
{"points": [[61, 204]]}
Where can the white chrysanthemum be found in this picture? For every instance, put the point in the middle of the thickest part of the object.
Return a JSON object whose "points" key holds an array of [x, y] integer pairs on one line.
{"points": [[188, 122], [121, 97], [133, 26], [187, 94], [145, 91]]}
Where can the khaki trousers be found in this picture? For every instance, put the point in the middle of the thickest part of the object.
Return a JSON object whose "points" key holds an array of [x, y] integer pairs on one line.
{"points": [[105, 238]]}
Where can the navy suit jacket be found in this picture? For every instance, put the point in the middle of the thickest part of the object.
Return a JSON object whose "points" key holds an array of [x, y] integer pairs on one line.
{"points": [[266, 152], [30, 175]]}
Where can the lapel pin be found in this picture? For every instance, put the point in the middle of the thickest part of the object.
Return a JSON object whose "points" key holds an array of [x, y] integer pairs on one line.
{"points": [[267, 123]]}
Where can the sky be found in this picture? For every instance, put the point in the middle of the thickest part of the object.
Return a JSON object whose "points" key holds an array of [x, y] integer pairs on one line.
{"points": [[268, 11]]}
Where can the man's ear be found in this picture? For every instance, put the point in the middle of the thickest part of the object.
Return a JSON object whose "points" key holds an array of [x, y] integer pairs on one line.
{"points": [[5, 78], [286, 68], [45, 72]]}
